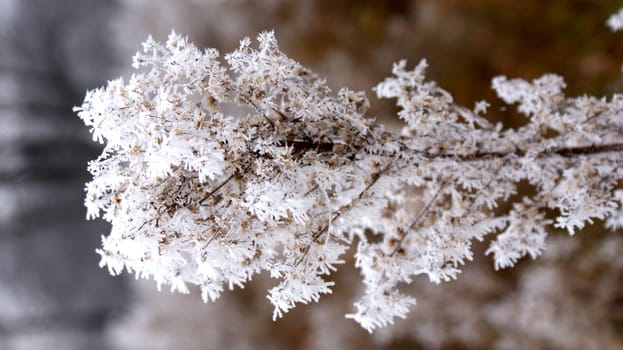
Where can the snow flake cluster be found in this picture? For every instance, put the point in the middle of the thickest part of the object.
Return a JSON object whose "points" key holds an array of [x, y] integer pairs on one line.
{"points": [[615, 21], [216, 170]]}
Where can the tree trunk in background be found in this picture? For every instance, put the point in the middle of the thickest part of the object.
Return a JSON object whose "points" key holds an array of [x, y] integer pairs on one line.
{"points": [[52, 293]]}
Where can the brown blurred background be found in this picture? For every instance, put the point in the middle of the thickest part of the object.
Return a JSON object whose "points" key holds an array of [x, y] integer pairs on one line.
{"points": [[53, 295]]}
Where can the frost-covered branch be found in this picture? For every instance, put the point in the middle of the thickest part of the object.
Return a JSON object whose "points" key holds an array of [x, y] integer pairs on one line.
{"points": [[216, 170]]}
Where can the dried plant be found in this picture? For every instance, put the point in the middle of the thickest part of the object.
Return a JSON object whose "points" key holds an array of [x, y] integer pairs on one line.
{"points": [[214, 171]]}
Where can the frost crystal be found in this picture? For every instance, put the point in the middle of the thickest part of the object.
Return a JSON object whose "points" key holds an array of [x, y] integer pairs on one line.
{"points": [[615, 22], [214, 171]]}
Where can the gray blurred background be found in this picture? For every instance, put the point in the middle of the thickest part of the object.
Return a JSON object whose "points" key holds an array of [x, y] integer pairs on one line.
{"points": [[52, 293]]}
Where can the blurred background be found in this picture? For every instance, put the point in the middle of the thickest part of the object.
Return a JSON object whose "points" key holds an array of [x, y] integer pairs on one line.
{"points": [[52, 293]]}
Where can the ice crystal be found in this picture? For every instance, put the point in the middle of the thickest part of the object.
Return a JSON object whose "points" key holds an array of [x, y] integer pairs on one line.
{"points": [[216, 170]]}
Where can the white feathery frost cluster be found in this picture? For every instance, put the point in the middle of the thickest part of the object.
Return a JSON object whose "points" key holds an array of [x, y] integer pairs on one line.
{"points": [[615, 22], [215, 170]]}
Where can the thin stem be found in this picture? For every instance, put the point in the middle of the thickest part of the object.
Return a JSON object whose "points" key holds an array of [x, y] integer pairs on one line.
{"points": [[374, 179], [423, 212], [559, 151], [217, 188]]}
